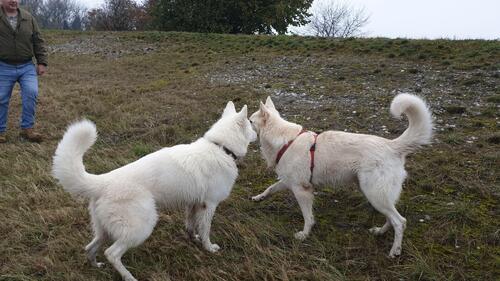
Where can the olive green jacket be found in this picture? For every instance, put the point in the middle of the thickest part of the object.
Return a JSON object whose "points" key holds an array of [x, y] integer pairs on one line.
{"points": [[20, 45]]}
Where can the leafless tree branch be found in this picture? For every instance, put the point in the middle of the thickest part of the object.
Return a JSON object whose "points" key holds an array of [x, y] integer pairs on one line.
{"points": [[338, 19], [55, 14]]}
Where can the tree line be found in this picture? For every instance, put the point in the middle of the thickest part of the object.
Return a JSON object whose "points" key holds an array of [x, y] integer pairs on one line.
{"points": [[212, 16]]}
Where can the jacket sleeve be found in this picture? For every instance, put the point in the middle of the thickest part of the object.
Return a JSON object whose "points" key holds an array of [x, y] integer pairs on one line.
{"points": [[39, 45]]}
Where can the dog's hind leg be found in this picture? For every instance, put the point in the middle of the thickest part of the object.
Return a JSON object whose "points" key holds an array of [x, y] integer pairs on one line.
{"points": [[130, 238], [92, 249], [114, 255], [204, 221], [278, 186], [399, 224], [129, 223], [304, 196], [99, 238], [382, 191], [190, 222]]}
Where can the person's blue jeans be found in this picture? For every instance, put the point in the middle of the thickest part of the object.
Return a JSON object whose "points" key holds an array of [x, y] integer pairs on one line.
{"points": [[26, 75]]}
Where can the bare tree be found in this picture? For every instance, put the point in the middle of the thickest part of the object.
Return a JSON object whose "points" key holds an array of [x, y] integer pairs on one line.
{"points": [[33, 6], [115, 15], [54, 13], [338, 19], [118, 13], [97, 20], [77, 23]]}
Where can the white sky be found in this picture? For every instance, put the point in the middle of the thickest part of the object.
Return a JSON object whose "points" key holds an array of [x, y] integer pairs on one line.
{"points": [[91, 3], [459, 19]]}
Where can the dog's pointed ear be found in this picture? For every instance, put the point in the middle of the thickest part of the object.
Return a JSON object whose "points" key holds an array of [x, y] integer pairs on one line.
{"points": [[263, 110], [244, 112], [229, 109], [269, 103]]}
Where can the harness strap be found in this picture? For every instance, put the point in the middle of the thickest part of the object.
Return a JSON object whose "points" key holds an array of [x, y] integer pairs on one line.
{"points": [[312, 150], [285, 147]]}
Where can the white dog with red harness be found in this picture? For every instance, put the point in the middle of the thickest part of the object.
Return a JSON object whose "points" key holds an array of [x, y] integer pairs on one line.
{"points": [[302, 159]]}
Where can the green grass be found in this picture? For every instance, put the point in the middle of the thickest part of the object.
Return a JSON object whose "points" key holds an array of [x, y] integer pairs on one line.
{"points": [[153, 89]]}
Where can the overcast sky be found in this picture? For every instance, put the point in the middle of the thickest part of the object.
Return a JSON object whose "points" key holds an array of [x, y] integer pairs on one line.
{"points": [[460, 19]]}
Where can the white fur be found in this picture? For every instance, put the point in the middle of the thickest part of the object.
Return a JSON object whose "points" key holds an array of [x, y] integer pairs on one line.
{"points": [[123, 203], [375, 163]]}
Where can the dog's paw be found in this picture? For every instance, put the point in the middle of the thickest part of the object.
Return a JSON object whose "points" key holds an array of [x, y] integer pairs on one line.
{"points": [[395, 251], [301, 235], [376, 230], [196, 238], [212, 248], [257, 198], [97, 264], [193, 236]]}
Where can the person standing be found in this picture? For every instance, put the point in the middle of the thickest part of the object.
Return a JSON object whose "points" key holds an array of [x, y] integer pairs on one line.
{"points": [[20, 41]]}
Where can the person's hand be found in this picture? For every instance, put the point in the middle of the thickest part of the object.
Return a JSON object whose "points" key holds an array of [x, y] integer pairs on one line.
{"points": [[41, 69]]}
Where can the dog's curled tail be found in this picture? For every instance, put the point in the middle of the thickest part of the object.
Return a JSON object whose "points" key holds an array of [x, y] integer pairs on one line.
{"points": [[419, 131], [68, 165]]}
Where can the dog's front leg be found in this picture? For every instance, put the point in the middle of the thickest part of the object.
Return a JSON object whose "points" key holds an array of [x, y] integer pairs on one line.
{"points": [[304, 196], [204, 223], [278, 186]]}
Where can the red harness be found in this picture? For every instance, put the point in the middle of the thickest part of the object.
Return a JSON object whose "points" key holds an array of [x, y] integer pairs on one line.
{"points": [[311, 150]]}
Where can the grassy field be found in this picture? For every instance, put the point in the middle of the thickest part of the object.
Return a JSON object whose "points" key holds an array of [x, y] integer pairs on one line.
{"points": [[149, 90]]}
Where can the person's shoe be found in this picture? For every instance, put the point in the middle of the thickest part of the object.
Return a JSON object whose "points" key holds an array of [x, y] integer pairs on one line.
{"points": [[31, 135], [3, 137]]}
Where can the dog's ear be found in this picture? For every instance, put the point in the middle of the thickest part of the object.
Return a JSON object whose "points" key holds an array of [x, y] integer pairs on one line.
{"points": [[269, 103], [264, 111], [244, 112], [229, 109]]}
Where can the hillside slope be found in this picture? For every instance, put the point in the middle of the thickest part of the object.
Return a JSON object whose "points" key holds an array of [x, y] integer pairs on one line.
{"points": [[149, 90]]}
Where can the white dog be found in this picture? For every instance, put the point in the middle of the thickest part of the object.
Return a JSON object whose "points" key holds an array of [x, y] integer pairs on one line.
{"points": [[123, 202], [302, 159]]}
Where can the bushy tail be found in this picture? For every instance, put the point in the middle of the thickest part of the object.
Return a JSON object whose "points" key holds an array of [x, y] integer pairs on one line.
{"points": [[68, 165], [419, 131]]}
